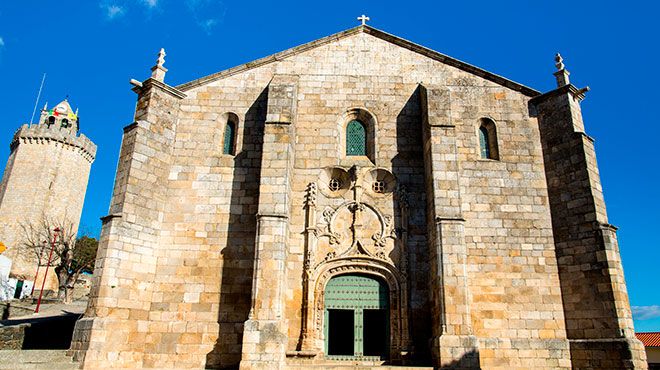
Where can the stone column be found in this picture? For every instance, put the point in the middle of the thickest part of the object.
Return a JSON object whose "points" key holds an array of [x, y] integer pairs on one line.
{"points": [[599, 322], [113, 331], [307, 345], [265, 334], [453, 343]]}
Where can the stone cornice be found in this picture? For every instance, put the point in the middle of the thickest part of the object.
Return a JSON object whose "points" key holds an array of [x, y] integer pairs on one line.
{"points": [[373, 32], [567, 89], [151, 82]]}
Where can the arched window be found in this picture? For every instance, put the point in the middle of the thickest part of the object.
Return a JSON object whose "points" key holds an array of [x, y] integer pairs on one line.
{"points": [[64, 123], [356, 138], [228, 141], [488, 139], [483, 142], [51, 121]]}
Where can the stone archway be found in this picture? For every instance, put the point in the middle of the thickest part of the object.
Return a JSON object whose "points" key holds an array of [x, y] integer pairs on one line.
{"points": [[356, 321], [356, 231], [362, 266]]}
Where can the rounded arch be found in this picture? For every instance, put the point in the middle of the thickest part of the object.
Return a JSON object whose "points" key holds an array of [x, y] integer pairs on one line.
{"points": [[487, 139], [363, 265], [229, 126], [356, 138], [357, 265], [369, 123]]}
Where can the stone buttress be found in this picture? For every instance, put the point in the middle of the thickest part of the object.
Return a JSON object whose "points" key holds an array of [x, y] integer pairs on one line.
{"points": [[598, 318], [453, 342], [265, 333], [116, 329]]}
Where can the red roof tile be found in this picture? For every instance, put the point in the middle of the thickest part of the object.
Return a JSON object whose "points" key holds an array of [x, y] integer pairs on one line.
{"points": [[649, 339]]}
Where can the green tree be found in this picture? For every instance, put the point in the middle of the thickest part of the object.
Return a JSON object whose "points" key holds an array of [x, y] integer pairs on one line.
{"points": [[84, 254]]}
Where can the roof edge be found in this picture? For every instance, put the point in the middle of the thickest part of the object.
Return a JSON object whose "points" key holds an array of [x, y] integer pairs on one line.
{"points": [[376, 33]]}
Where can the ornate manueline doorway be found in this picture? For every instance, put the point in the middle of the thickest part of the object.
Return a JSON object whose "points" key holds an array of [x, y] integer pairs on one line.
{"points": [[357, 318], [355, 294]]}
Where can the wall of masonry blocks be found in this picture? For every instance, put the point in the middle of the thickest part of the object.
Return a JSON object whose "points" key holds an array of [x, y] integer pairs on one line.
{"points": [[175, 270], [598, 318], [46, 176]]}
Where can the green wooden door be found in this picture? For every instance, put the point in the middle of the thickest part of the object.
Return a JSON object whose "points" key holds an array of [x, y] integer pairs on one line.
{"points": [[353, 302]]}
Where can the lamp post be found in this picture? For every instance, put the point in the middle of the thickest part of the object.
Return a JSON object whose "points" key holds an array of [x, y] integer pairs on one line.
{"points": [[36, 274], [56, 231]]}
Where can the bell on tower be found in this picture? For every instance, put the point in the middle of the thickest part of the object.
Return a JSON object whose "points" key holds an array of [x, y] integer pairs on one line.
{"points": [[61, 116]]}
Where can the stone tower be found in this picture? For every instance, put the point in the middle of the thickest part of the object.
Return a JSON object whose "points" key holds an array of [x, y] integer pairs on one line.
{"points": [[46, 176]]}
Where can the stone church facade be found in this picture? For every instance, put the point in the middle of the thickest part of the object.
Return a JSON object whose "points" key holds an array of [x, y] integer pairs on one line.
{"points": [[359, 199]]}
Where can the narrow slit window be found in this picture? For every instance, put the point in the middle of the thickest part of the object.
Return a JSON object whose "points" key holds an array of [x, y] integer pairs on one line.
{"points": [[488, 140], [356, 139], [228, 144], [483, 142]]}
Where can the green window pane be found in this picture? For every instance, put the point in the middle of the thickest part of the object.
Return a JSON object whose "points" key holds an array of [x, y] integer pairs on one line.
{"points": [[483, 143], [356, 138], [228, 145]]}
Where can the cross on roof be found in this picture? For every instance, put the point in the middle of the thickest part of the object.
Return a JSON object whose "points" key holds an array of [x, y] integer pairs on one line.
{"points": [[363, 18]]}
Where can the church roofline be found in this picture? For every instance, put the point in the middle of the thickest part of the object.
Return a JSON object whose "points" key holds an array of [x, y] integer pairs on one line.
{"points": [[374, 32]]}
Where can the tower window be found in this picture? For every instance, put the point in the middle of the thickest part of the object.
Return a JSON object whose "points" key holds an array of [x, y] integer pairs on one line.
{"points": [[228, 141], [65, 123], [356, 139], [488, 140], [51, 121]]}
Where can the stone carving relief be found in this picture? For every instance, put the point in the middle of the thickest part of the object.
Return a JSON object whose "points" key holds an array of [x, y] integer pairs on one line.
{"points": [[356, 228], [360, 229]]}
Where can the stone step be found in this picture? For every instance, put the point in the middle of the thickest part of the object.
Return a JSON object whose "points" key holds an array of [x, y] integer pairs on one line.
{"points": [[352, 366], [36, 359], [356, 367]]}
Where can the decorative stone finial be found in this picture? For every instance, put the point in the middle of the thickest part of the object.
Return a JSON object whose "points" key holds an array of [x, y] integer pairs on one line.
{"points": [[559, 62], [562, 74], [363, 18], [158, 71], [161, 57]]}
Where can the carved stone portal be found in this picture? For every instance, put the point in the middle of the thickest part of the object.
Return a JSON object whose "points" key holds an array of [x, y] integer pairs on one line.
{"points": [[352, 235]]}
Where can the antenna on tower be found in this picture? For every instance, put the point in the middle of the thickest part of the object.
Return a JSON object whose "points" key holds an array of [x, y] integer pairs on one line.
{"points": [[43, 79]]}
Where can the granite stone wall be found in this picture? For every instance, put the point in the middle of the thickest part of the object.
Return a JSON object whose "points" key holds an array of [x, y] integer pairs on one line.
{"points": [[220, 260]]}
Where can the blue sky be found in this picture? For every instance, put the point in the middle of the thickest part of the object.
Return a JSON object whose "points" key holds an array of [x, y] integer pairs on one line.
{"points": [[90, 49]]}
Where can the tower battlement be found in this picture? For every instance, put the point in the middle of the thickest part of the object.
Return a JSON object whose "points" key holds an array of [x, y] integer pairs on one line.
{"points": [[43, 134]]}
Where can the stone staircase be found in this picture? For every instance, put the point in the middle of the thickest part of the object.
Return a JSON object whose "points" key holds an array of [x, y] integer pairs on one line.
{"points": [[36, 359]]}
